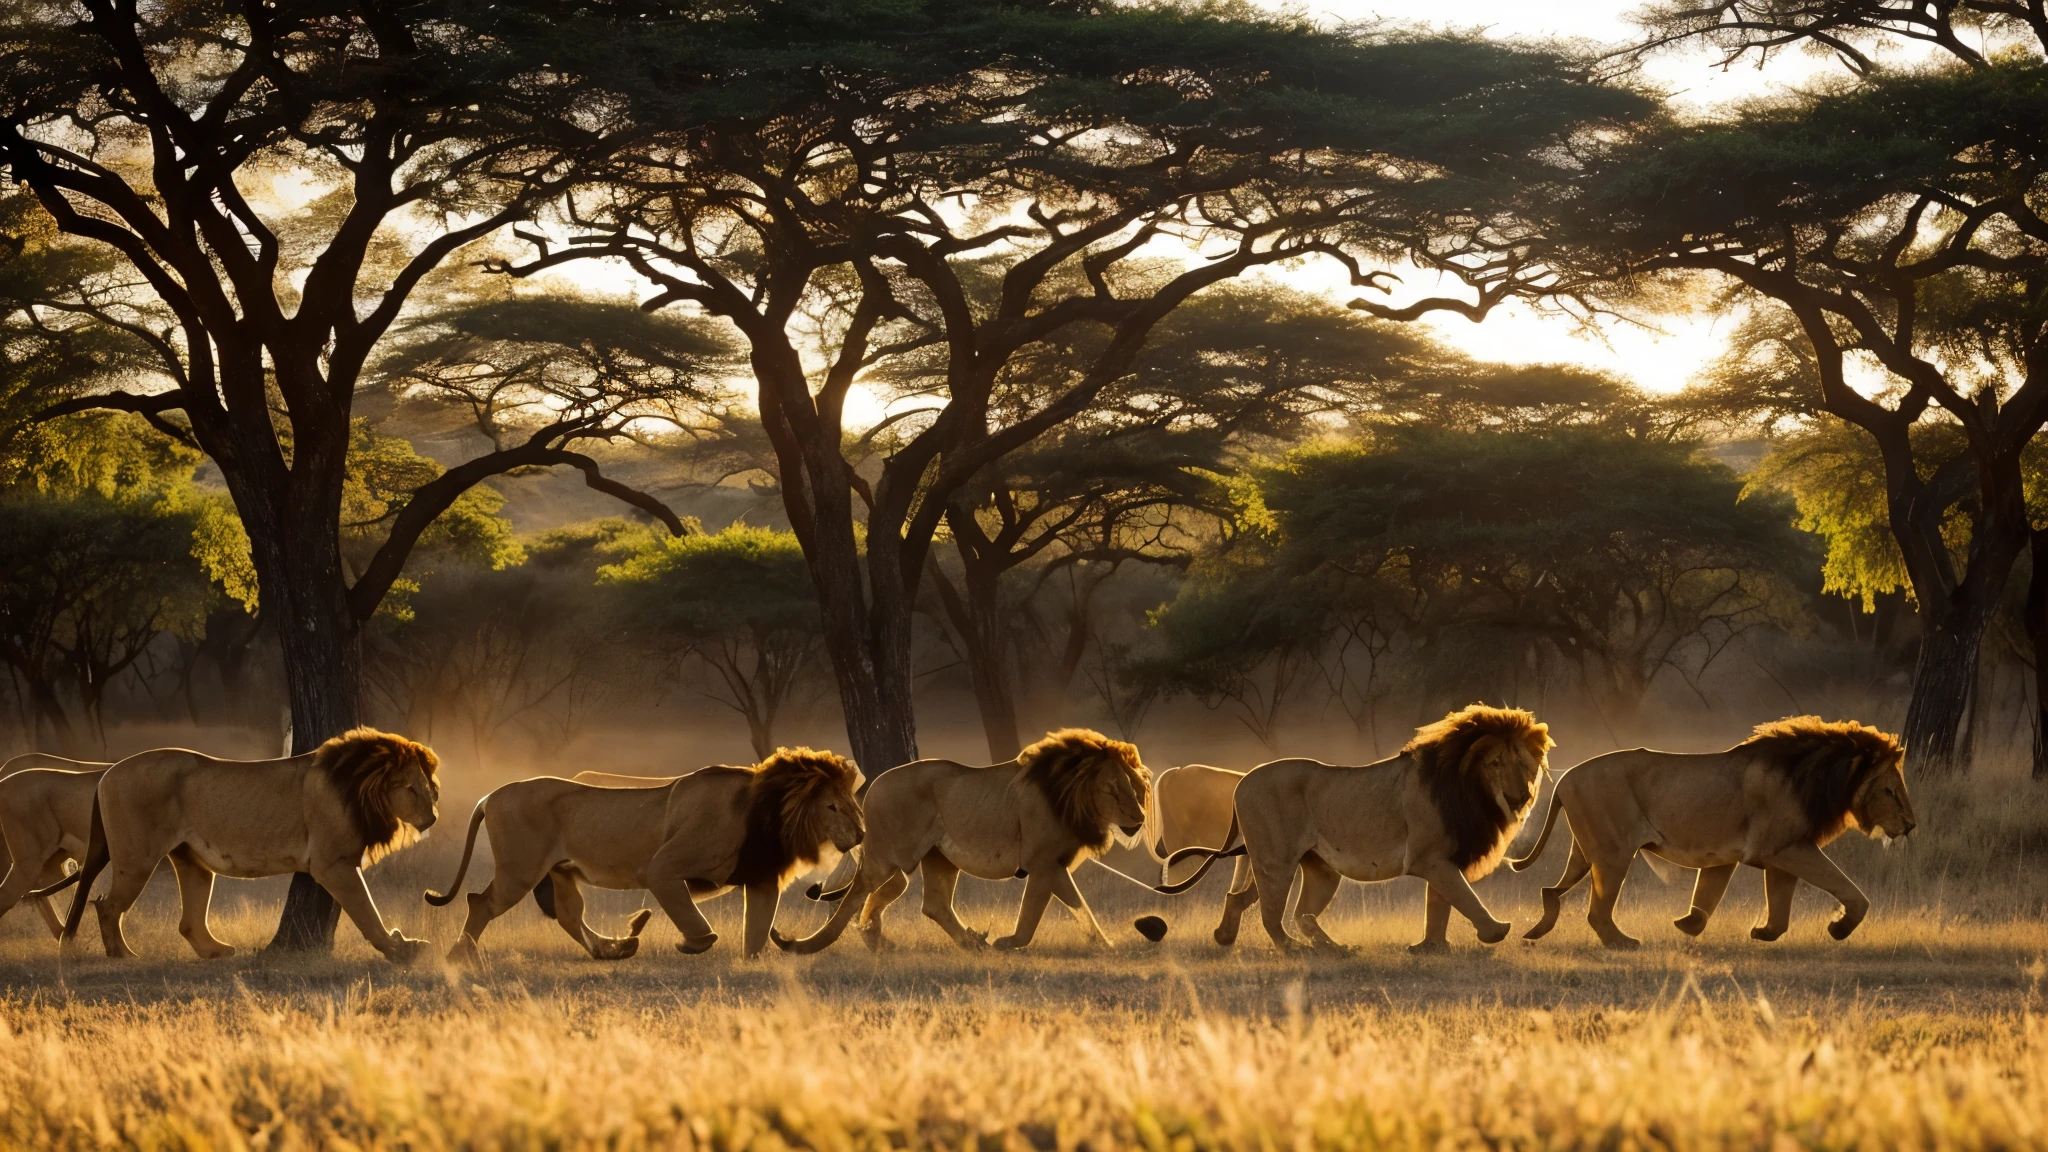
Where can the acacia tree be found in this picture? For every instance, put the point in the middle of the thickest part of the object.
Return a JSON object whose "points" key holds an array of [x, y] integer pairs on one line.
{"points": [[154, 130], [1236, 370], [864, 161], [1897, 220]]}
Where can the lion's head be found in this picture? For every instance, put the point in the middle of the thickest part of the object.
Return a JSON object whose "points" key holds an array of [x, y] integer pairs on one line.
{"points": [[388, 784], [800, 801], [1481, 765], [1096, 786], [1845, 774]]}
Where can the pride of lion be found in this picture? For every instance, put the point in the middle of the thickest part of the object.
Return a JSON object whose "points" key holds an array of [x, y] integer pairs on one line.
{"points": [[1443, 809]]}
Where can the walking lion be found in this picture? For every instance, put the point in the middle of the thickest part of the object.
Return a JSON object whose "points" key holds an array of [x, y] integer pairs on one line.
{"points": [[700, 834], [1036, 817], [46, 820], [348, 803], [1772, 802]]}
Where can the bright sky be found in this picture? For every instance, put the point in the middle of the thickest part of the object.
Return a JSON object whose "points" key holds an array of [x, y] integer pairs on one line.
{"points": [[1667, 353]]}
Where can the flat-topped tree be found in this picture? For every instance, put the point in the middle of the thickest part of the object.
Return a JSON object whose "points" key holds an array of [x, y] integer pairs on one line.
{"points": [[280, 176], [1899, 221], [867, 160]]}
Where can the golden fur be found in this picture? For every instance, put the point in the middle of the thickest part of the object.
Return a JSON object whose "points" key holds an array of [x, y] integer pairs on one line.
{"points": [[717, 828], [1442, 809], [329, 812], [1446, 754], [1035, 817], [366, 768], [46, 822], [1064, 767], [1825, 763], [1771, 802]]}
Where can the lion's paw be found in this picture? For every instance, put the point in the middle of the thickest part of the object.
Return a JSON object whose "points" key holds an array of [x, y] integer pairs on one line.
{"points": [[1495, 932], [1692, 923], [465, 953], [621, 948], [1009, 944], [1765, 933], [1430, 948], [1841, 927], [700, 944], [1622, 943]]}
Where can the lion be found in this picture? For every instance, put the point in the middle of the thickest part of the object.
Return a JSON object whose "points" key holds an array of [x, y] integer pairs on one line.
{"points": [[717, 828], [1443, 809], [1771, 802], [348, 803], [1036, 817], [45, 821]]}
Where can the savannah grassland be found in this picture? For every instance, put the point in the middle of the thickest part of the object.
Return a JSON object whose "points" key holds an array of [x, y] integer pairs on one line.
{"points": [[1924, 1030]]}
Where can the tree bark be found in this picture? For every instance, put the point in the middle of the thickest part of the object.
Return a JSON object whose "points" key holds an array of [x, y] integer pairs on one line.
{"points": [[1944, 676], [2037, 634], [976, 618]]}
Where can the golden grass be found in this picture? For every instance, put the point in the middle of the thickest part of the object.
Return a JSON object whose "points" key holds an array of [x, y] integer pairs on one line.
{"points": [[1913, 1034], [1923, 1030]]}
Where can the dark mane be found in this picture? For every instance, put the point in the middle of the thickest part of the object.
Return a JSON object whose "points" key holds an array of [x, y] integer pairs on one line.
{"points": [[1442, 753], [364, 765], [784, 811], [1825, 763], [1064, 766]]}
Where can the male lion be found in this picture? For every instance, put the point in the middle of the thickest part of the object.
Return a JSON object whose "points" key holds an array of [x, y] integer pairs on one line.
{"points": [[350, 802], [716, 828], [45, 820], [1771, 802], [1443, 809], [1033, 817]]}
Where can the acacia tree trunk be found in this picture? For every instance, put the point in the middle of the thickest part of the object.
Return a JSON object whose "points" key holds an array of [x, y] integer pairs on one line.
{"points": [[976, 618], [2037, 635], [1944, 679]]}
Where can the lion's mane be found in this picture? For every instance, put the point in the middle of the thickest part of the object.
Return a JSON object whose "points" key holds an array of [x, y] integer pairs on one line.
{"points": [[1063, 767], [365, 765], [1825, 763], [1442, 753], [786, 811]]}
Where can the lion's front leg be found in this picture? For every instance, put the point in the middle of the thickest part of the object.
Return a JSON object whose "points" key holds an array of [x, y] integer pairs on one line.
{"points": [[344, 881], [1069, 893], [1037, 892], [762, 897], [1445, 878]]}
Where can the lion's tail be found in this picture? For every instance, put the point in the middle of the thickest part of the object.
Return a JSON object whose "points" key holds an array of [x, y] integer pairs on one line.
{"points": [[476, 820], [1212, 855], [96, 857], [1542, 838]]}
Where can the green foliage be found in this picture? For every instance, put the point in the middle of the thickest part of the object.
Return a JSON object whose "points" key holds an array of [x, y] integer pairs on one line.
{"points": [[741, 581], [382, 474], [1478, 556]]}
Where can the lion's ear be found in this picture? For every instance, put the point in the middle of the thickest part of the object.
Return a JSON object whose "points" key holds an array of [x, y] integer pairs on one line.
{"points": [[1539, 741]]}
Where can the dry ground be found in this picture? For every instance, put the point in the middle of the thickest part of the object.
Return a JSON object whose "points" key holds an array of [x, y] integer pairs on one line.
{"points": [[1923, 1030]]}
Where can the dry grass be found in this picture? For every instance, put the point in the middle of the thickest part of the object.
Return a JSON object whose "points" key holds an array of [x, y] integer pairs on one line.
{"points": [[1923, 1030]]}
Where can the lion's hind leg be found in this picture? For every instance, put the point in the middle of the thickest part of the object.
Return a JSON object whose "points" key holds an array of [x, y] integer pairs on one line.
{"points": [[878, 902], [569, 913], [1319, 884], [122, 891], [195, 900], [1707, 891], [941, 879], [24, 878], [498, 897], [1576, 868], [1244, 892], [1610, 872]]}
